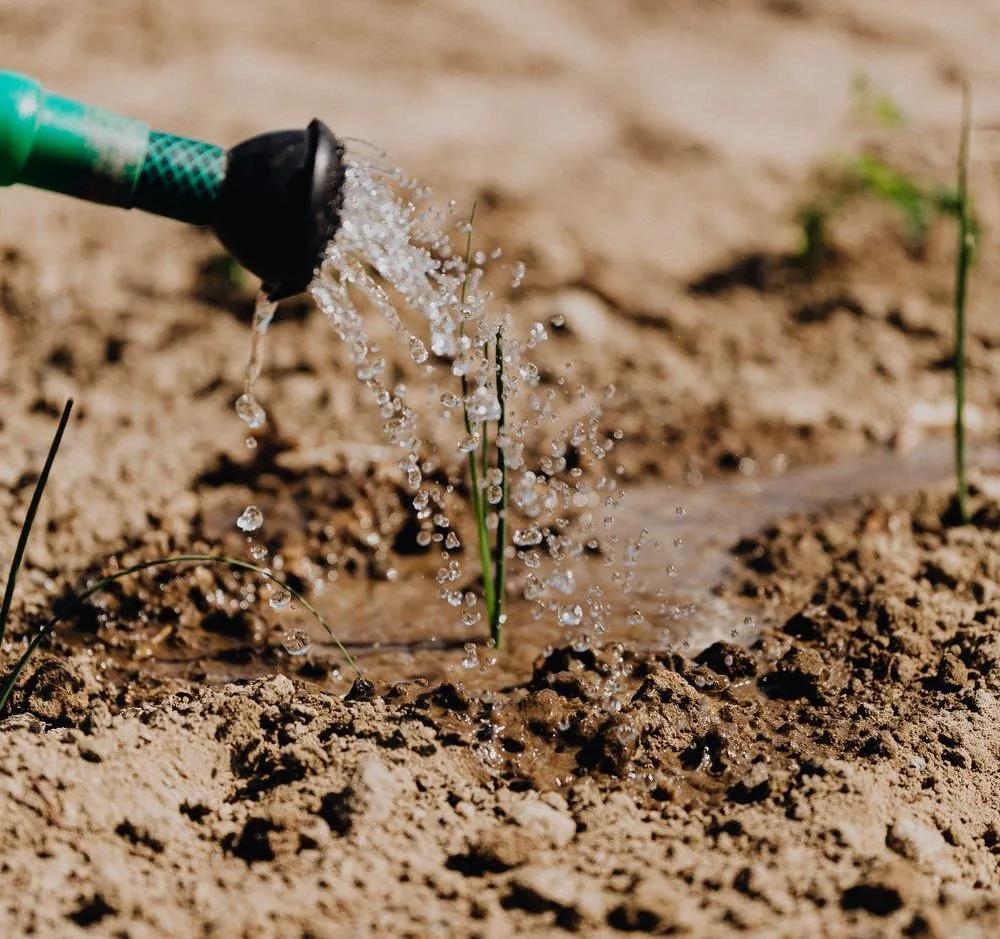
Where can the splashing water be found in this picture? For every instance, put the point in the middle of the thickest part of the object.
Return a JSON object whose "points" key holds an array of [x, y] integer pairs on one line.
{"points": [[392, 260]]}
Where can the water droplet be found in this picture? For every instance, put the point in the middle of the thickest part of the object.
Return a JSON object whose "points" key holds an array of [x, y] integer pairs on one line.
{"points": [[296, 642], [484, 406], [525, 537], [471, 617], [444, 344], [469, 443], [570, 615], [280, 599], [452, 542], [418, 351], [563, 581], [251, 518], [258, 552], [680, 511], [529, 373], [250, 411]]}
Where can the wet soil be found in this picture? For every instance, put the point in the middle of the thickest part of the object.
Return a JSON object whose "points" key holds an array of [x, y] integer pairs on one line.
{"points": [[811, 749]]}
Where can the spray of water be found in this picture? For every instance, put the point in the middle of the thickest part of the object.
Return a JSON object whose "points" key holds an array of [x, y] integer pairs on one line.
{"points": [[393, 260]]}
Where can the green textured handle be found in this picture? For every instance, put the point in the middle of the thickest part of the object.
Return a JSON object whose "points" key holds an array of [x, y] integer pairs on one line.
{"points": [[180, 178], [66, 146]]}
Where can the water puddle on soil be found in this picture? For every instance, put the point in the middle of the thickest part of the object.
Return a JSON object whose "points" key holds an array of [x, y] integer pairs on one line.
{"points": [[397, 629]]}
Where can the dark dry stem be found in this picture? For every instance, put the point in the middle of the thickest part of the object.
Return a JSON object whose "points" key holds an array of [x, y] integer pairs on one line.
{"points": [[963, 261], [80, 596], [500, 563], [29, 518]]}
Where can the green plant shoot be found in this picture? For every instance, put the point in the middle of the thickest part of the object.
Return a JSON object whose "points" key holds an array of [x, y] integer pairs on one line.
{"points": [[964, 256], [492, 559]]}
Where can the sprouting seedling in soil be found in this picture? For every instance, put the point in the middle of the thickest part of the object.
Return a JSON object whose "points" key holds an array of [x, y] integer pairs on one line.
{"points": [[29, 518], [68, 605], [918, 203], [871, 103], [393, 259], [964, 256], [492, 560]]}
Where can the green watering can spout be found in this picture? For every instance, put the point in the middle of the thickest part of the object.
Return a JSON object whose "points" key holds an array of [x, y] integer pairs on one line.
{"points": [[274, 200]]}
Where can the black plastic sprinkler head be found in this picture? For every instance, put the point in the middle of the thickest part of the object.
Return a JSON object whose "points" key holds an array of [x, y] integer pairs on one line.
{"points": [[274, 200], [279, 204]]}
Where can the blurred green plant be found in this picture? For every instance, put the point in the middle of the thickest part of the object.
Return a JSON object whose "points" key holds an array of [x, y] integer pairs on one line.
{"points": [[872, 104], [918, 203]]}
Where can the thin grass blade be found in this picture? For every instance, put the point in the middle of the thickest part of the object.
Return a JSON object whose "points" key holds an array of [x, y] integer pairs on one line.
{"points": [[9, 683], [963, 260], [29, 518]]}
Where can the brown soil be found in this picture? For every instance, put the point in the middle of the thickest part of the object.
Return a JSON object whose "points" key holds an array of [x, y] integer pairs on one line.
{"points": [[836, 778], [828, 769]]}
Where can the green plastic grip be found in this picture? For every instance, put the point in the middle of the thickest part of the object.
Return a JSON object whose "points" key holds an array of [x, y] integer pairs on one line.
{"points": [[66, 146]]}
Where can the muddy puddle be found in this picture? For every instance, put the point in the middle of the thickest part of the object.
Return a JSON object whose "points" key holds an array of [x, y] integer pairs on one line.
{"points": [[400, 629]]}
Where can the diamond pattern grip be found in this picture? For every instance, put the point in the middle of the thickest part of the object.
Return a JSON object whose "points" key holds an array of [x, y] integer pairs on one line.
{"points": [[180, 178]]}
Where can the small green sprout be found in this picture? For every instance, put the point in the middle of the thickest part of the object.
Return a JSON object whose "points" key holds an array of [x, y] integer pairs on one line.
{"points": [[870, 103], [964, 257], [492, 559]]}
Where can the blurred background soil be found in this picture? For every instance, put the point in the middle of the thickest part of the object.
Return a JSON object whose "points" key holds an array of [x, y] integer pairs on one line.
{"points": [[646, 160]]}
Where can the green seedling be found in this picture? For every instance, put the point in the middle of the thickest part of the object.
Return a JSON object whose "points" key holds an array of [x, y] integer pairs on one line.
{"points": [[964, 257], [872, 104], [492, 558], [865, 175], [917, 202]]}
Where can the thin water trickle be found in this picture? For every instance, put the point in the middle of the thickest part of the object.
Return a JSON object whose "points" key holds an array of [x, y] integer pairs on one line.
{"points": [[248, 408]]}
